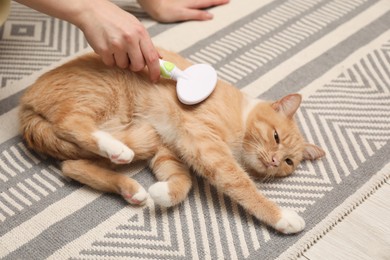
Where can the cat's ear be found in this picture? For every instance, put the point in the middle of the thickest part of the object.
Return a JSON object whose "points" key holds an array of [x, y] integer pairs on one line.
{"points": [[312, 152], [288, 105]]}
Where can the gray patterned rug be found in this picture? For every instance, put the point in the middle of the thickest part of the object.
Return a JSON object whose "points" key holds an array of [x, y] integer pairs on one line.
{"points": [[336, 53]]}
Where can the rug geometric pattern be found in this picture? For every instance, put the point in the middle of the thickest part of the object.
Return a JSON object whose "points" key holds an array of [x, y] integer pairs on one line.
{"points": [[348, 115], [29, 179], [30, 41]]}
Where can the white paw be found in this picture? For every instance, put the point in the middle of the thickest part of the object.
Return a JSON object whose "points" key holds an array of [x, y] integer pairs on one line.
{"points": [[138, 198], [120, 153], [115, 150], [160, 194], [290, 222]]}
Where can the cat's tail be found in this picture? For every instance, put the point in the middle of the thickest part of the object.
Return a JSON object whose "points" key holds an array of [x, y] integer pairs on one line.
{"points": [[41, 136]]}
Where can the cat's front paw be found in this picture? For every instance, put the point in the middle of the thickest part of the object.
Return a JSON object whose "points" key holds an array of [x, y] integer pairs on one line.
{"points": [[290, 222], [160, 194]]}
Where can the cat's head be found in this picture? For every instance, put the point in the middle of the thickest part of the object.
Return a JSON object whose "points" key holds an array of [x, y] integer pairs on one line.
{"points": [[273, 144]]}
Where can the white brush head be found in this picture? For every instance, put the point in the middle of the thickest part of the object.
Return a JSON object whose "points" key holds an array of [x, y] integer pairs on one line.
{"points": [[197, 84]]}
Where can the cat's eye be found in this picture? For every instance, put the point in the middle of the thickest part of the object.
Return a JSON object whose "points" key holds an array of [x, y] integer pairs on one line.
{"points": [[289, 162], [276, 136]]}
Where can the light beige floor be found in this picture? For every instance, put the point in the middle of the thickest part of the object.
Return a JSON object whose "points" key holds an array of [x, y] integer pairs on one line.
{"points": [[362, 235]]}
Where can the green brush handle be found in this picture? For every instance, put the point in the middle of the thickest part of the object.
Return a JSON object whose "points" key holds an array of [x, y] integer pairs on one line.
{"points": [[169, 70]]}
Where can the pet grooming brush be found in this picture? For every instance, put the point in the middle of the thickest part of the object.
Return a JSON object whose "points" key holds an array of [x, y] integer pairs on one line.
{"points": [[194, 84]]}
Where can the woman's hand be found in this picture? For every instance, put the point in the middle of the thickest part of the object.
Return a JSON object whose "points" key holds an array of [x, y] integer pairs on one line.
{"points": [[168, 11], [119, 38]]}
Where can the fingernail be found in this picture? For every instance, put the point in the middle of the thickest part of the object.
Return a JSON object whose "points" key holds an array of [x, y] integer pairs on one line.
{"points": [[209, 15]]}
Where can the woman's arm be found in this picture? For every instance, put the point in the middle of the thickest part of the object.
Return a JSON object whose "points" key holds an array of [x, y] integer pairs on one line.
{"points": [[116, 35]]}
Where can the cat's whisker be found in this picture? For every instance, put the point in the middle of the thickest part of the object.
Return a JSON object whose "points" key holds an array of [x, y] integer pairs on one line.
{"points": [[243, 142], [264, 156], [257, 139]]}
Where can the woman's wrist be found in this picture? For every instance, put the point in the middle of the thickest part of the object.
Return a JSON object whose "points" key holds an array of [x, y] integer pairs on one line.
{"points": [[81, 13], [153, 8]]}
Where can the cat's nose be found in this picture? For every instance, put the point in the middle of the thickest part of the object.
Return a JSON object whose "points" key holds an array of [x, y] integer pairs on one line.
{"points": [[275, 161]]}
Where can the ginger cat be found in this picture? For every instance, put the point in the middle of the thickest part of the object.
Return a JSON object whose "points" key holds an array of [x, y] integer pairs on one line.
{"points": [[91, 117]]}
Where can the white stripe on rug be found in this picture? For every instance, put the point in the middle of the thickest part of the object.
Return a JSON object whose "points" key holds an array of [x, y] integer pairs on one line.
{"points": [[11, 128], [316, 49]]}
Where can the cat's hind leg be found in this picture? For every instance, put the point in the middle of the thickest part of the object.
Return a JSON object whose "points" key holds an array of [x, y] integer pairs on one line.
{"points": [[82, 130], [103, 179], [174, 180], [112, 148]]}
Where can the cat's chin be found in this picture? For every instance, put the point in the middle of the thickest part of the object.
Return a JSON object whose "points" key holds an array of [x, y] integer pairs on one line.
{"points": [[257, 172], [254, 167], [263, 172], [260, 168]]}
